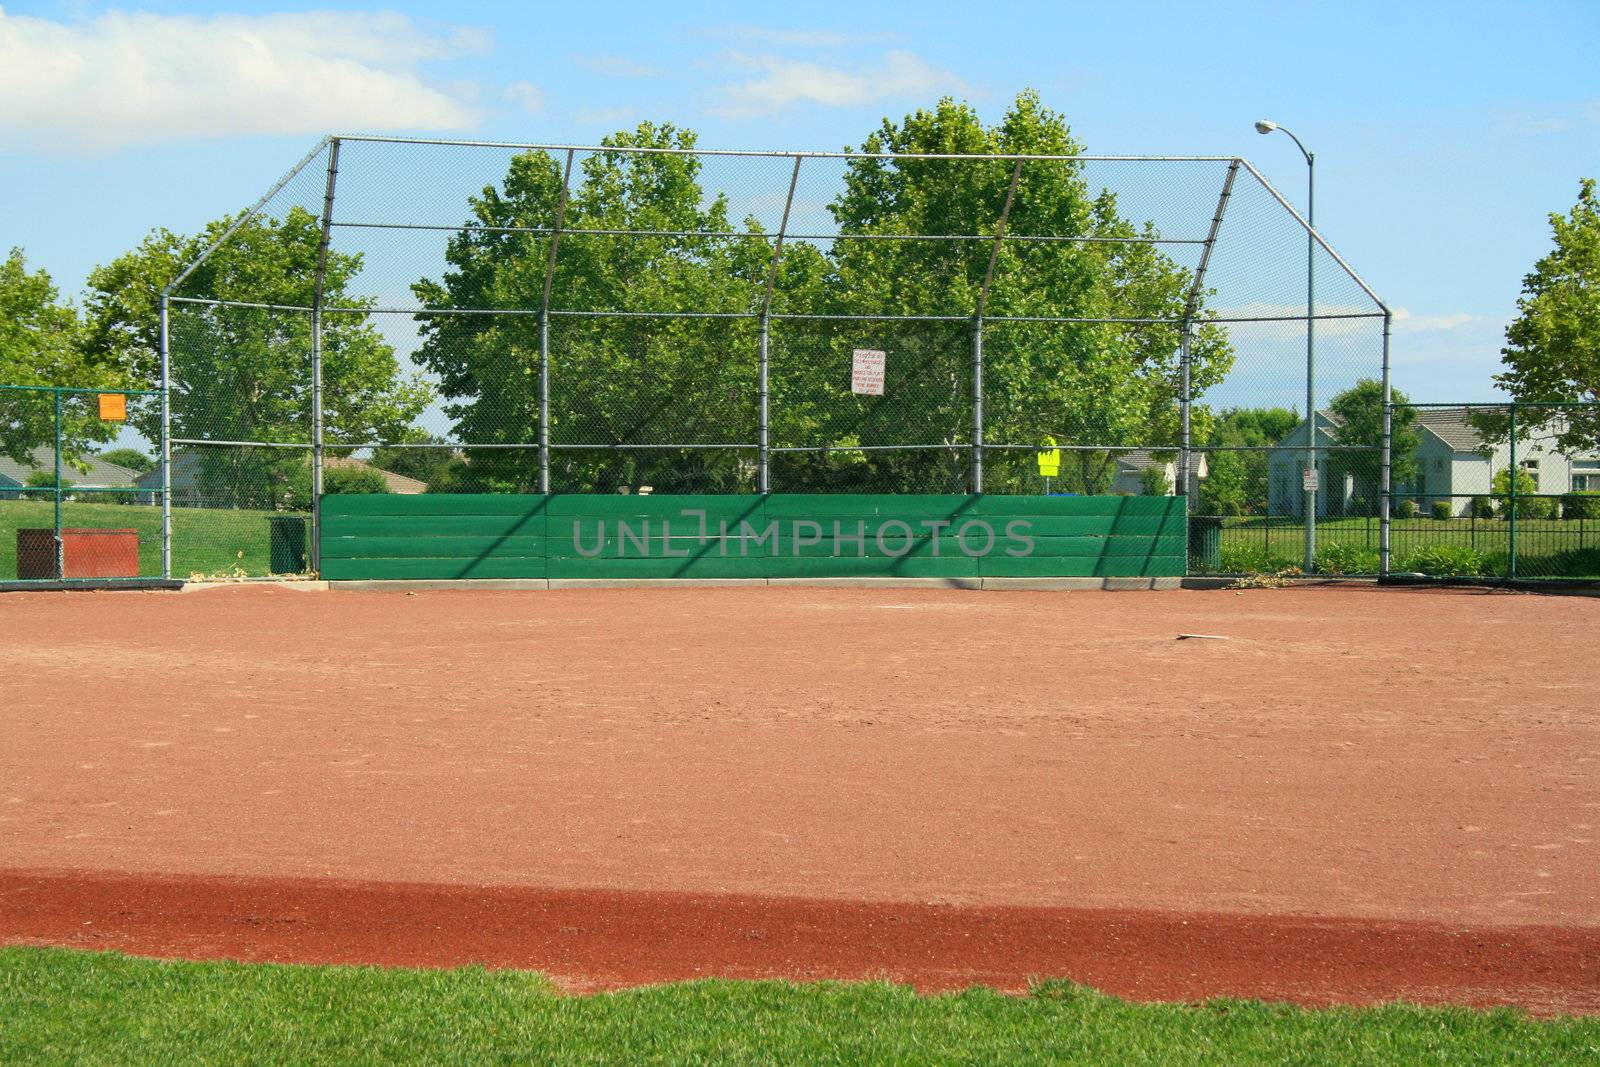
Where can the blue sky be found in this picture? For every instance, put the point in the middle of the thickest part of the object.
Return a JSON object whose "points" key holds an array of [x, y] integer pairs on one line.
{"points": [[1445, 133]]}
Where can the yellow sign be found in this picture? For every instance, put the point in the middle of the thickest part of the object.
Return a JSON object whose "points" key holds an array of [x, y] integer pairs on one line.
{"points": [[113, 407], [1049, 459]]}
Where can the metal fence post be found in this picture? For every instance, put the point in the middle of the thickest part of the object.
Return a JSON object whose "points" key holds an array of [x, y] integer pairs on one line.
{"points": [[165, 444], [764, 346], [544, 324], [1387, 457], [1511, 500], [315, 553], [61, 546], [977, 405], [1185, 441]]}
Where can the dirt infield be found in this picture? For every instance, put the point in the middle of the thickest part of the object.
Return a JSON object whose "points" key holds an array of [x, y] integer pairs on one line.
{"points": [[1360, 794]]}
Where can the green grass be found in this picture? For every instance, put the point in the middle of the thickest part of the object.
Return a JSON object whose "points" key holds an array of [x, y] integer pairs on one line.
{"points": [[204, 540], [1565, 548], [60, 1006]]}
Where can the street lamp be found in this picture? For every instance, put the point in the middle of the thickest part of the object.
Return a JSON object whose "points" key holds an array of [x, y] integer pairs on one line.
{"points": [[1265, 126]]}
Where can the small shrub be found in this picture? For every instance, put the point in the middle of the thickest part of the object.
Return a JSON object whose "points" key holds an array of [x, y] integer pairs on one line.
{"points": [[41, 480], [1405, 508], [1252, 559], [1529, 507], [1444, 509], [1482, 507], [1584, 505], [353, 480], [1340, 558], [1445, 561]]}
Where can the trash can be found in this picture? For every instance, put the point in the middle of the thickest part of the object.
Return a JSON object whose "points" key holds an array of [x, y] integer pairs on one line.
{"points": [[286, 543], [1205, 543]]}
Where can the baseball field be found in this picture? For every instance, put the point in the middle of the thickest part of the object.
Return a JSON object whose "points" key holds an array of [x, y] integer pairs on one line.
{"points": [[1331, 799]]}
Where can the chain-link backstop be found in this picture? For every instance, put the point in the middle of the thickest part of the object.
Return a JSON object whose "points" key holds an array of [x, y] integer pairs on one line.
{"points": [[431, 316]]}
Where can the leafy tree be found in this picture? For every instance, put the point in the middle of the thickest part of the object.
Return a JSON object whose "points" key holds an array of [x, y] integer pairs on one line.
{"points": [[1082, 383], [39, 345], [1528, 505], [1153, 482], [1226, 489], [1553, 350], [423, 464], [618, 381], [1359, 413], [243, 374], [131, 458]]}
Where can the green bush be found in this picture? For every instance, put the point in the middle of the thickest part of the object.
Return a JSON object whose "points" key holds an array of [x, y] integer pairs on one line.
{"points": [[1482, 507], [1445, 561], [1530, 507], [1253, 559], [1584, 505], [1444, 509], [1405, 508], [350, 480], [1339, 558], [41, 480]]}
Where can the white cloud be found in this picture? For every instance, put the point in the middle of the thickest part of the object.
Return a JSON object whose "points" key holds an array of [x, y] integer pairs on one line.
{"points": [[801, 38], [782, 82], [615, 66], [140, 78], [1406, 322], [526, 95]]}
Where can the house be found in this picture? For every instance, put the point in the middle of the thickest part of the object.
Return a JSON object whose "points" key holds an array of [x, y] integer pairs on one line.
{"points": [[1132, 465], [99, 475], [1453, 460]]}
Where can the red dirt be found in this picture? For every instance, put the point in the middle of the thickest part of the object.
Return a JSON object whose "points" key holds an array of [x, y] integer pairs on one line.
{"points": [[1361, 794]]}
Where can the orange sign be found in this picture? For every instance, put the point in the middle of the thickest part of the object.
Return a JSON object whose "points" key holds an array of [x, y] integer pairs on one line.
{"points": [[113, 407]]}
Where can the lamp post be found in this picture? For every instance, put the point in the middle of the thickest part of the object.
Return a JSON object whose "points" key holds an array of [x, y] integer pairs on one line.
{"points": [[1263, 126]]}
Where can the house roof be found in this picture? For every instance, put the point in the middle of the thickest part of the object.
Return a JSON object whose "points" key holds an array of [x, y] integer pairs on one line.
{"points": [[1453, 426], [43, 458], [186, 472]]}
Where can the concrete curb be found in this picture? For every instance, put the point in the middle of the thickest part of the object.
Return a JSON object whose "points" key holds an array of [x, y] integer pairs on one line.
{"points": [[973, 583], [310, 585]]}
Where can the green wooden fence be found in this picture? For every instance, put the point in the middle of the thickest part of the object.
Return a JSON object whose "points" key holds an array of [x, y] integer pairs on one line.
{"points": [[777, 536]]}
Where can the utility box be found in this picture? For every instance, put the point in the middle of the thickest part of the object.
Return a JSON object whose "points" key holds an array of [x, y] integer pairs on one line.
{"points": [[88, 552]]}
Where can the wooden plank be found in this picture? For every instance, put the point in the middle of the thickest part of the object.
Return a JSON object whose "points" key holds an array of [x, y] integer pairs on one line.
{"points": [[433, 525], [403, 546], [349, 569], [432, 504]]}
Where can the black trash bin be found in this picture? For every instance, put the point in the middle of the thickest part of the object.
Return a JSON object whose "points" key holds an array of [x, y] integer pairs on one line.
{"points": [[286, 543], [1205, 544]]}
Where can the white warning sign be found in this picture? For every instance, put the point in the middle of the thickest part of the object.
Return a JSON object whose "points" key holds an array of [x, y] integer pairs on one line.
{"points": [[866, 372]]}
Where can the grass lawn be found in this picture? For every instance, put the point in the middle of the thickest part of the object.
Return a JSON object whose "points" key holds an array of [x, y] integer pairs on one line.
{"points": [[60, 1006], [204, 540], [1567, 548]]}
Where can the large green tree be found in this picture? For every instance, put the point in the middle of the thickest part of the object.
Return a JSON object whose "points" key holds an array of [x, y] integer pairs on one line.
{"points": [[1359, 433], [1552, 354], [618, 381], [244, 373], [40, 345]]}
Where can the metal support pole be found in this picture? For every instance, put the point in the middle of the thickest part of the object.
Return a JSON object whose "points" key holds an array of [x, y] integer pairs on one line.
{"points": [[544, 325], [1511, 499], [1185, 439], [763, 412], [165, 444], [544, 402], [1311, 362], [61, 546], [764, 347], [977, 404], [1387, 474], [320, 284]]}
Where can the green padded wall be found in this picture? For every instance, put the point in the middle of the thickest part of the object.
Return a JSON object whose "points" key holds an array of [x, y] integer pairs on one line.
{"points": [[776, 536]]}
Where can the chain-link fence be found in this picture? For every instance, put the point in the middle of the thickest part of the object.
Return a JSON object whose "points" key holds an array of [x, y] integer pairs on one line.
{"points": [[643, 317], [1497, 491], [80, 496]]}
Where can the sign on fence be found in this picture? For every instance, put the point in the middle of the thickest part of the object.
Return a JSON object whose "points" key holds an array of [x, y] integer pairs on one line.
{"points": [[1308, 479], [866, 372]]}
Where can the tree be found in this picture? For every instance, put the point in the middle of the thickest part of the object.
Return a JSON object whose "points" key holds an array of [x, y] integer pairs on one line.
{"points": [[1553, 350], [1528, 505], [1237, 480], [131, 458], [615, 380], [354, 480], [620, 381], [39, 345], [1358, 413], [1081, 383], [243, 373], [1225, 490]]}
